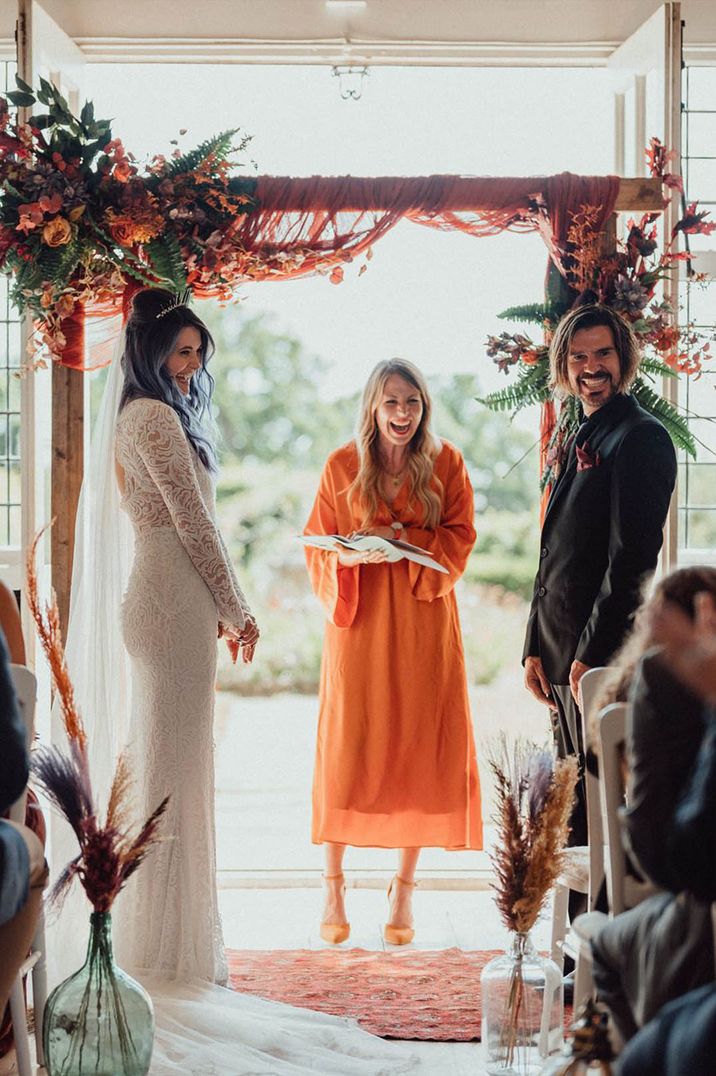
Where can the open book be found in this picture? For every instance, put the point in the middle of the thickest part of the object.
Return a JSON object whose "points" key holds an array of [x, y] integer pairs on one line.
{"points": [[394, 547]]}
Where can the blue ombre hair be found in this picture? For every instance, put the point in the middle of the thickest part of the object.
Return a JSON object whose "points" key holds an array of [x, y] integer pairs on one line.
{"points": [[150, 338]]}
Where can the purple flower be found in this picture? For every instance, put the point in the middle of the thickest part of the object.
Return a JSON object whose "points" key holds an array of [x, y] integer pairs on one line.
{"points": [[629, 296]]}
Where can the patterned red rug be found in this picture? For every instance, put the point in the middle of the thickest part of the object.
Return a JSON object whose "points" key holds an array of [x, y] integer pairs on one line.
{"points": [[410, 995]]}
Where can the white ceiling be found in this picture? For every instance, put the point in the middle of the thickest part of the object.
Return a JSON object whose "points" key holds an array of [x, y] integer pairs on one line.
{"points": [[486, 32]]}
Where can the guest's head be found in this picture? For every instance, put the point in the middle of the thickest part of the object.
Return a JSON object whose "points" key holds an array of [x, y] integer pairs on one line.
{"points": [[594, 355], [395, 415], [678, 588], [167, 348]]}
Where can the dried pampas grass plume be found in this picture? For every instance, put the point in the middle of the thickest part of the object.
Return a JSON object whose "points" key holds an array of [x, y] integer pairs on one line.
{"points": [[535, 794], [109, 852]]}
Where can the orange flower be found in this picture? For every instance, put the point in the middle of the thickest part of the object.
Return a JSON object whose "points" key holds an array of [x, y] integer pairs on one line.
{"points": [[64, 306], [135, 227], [122, 171], [57, 232], [531, 358]]}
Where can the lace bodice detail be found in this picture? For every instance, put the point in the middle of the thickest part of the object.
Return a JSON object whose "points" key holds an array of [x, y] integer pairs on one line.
{"points": [[166, 485]]}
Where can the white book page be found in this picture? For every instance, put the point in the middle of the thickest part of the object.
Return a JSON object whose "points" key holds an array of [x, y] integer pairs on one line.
{"points": [[394, 549]]}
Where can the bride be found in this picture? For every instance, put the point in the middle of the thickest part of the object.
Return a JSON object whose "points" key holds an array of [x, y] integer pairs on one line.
{"points": [[152, 447]]}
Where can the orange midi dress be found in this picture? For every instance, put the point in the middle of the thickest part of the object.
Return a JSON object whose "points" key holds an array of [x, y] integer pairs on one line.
{"points": [[395, 758]]}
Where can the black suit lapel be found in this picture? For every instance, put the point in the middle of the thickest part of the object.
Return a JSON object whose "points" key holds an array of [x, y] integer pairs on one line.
{"points": [[565, 477]]}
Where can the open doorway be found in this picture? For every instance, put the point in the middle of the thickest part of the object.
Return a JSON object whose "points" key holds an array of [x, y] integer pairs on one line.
{"points": [[292, 360]]}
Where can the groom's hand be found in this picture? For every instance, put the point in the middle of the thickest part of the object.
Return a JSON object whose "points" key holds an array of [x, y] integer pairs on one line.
{"points": [[536, 681], [576, 672]]}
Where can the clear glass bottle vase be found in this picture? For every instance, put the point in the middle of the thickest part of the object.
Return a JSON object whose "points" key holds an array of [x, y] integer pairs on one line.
{"points": [[522, 1010], [99, 1022]]}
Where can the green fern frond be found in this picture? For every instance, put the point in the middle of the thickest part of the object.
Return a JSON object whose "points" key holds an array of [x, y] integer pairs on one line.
{"points": [[656, 367], [676, 425], [533, 313], [219, 147], [165, 258], [531, 386], [123, 258]]}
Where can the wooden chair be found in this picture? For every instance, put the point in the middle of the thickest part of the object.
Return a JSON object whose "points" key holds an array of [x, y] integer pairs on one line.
{"points": [[26, 691], [623, 889], [584, 864]]}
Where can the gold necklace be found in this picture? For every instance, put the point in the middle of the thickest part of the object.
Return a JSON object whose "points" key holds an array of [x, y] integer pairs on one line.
{"points": [[396, 478]]}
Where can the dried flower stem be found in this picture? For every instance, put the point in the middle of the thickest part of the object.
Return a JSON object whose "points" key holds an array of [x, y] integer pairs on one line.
{"points": [[50, 634]]}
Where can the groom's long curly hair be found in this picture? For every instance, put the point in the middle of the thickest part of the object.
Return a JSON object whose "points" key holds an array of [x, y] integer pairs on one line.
{"points": [[155, 321]]}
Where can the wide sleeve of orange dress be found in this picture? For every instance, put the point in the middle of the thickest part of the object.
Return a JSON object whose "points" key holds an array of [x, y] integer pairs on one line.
{"points": [[395, 757]]}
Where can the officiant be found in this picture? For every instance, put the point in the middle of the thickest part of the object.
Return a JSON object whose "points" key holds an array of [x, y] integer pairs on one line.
{"points": [[395, 759]]}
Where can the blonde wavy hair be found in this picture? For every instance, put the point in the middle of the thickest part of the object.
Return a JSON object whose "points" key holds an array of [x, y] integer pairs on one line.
{"points": [[423, 448]]}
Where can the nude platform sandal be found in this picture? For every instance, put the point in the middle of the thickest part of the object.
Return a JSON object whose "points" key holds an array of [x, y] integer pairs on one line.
{"points": [[398, 935], [335, 933]]}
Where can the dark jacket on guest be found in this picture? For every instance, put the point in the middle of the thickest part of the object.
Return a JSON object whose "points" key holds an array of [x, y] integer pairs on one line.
{"points": [[14, 860], [664, 946], [601, 537], [666, 727], [691, 842]]}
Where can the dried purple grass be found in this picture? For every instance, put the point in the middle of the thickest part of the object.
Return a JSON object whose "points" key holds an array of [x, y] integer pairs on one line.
{"points": [[534, 801]]}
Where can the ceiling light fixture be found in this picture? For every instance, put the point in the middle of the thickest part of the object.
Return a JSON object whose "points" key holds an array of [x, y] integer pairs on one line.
{"points": [[350, 80], [346, 7]]}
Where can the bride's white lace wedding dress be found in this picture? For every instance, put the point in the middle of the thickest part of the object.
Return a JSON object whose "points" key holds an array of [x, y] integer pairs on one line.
{"points": [[167, 926]]}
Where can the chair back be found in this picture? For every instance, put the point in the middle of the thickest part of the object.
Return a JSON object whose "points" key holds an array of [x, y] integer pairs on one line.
{"points": [[623, 890], [25, 685], [590, 688]]}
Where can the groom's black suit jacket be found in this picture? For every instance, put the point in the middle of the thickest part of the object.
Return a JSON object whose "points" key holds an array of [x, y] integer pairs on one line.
{"points": [[601, 537]]}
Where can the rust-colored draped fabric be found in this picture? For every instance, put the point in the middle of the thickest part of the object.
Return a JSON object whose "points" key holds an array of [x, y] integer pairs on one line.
{"points": [[301, 226], [395, 759]]}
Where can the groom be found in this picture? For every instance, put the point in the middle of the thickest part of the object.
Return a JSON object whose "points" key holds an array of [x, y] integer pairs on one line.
{"points": [[603, 526]]}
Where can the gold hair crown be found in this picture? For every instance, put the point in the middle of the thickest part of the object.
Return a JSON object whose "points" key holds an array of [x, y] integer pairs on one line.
{"points": [[181, 298]]}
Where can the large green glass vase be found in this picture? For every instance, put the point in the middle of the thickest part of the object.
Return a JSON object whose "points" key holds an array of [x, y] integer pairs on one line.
{"points": [[99, 1022]]}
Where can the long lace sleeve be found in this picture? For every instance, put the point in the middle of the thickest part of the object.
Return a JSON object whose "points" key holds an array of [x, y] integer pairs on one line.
{"points": [[160, 442]]}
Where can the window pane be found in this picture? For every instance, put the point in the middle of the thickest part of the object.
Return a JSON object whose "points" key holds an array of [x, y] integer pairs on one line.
{"points": [[705, 434], [15, 514], [699, 300], [14, 422], [702, 134], [698, 482], [683, 517], [701, 87], [699, 395], [15, 483], [702, 529], [701, 181], [14, 384]]}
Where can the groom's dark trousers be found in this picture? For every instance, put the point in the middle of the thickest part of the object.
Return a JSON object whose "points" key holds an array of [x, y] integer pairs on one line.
{"points": [[600, 541]]}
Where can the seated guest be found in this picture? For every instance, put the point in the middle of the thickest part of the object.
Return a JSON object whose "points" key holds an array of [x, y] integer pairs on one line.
{"points": [[680, 1041], [22, 868], [663, 947]]}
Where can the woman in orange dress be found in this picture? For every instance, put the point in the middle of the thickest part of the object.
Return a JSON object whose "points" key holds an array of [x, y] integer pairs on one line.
{"points": [[395, 759]]}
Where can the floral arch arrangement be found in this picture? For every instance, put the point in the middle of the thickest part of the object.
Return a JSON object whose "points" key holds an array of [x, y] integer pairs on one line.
{"points": [[625, 279], [82, 226]]}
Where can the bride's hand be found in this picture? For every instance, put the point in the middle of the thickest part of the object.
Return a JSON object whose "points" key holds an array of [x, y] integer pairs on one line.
{"points": [[243, 640]]}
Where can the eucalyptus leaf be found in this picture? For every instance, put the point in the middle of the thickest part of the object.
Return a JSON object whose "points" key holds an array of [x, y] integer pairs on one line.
{"points": [[21, 99]]}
